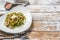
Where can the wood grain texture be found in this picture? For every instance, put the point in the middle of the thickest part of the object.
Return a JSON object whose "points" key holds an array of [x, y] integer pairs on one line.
{"points": [[46, 20], [44, 35]]}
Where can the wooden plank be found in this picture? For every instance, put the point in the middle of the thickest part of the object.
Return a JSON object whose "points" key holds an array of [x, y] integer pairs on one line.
{"points": [[39, 26], [44, 35], [44, 8], [44, 2]]}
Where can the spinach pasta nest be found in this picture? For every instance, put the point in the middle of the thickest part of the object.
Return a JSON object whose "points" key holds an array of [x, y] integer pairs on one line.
{"points": [[14, 19]]}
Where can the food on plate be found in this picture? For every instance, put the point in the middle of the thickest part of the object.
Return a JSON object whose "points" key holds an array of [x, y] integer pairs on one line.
{"points": [[15, 19]]}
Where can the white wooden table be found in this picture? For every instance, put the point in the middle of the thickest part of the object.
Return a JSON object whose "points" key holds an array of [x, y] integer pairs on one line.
{"points": [[46, 20]]}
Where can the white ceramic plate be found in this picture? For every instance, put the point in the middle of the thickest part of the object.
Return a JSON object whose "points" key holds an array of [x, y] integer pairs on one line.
{"points": [[18, 29]]}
